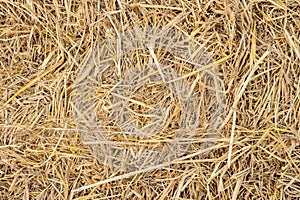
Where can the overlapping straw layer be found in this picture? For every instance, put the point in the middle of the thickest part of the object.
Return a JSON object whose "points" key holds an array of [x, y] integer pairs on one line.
{"points": [[254, 45]]}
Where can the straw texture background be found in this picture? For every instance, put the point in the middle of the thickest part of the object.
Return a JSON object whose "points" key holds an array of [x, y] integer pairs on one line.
{"points": [[256, 45]]}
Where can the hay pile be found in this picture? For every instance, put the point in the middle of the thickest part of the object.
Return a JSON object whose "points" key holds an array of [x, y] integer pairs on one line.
{"points": [[254, 44]]}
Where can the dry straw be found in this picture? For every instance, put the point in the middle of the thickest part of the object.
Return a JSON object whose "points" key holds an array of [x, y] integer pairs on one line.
{"points": [[254, 46], [153, 89]]}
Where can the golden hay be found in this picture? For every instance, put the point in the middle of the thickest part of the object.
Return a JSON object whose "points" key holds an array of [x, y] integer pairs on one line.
{"points": [[256, 45]]}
